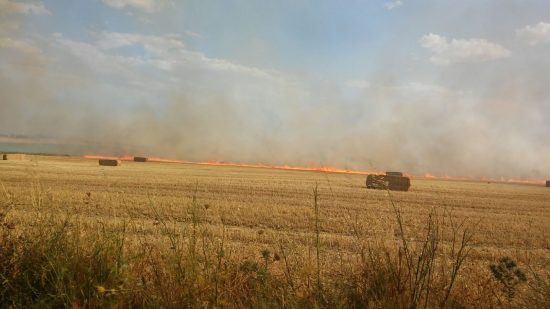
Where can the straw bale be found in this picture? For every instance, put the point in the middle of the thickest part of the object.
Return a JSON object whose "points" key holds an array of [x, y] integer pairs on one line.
{"points": [[385, 182], [13, 156], [141, 159], [109, 162], [394, 174]]}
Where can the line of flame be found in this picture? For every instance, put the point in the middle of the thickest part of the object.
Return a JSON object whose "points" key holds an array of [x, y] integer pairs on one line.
{"points": [[325, 169]]}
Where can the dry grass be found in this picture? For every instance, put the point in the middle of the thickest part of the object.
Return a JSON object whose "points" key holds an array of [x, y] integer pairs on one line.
{"points": [[251, 237]]}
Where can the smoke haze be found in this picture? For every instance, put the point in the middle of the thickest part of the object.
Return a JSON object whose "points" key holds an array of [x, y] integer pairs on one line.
{"points": [[423, 99]]}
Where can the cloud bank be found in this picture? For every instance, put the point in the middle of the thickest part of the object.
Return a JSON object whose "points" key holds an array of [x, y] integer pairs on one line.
{"points": [[537, 34], [393, 4], [148, 6], [8, 7], [461, 50]]}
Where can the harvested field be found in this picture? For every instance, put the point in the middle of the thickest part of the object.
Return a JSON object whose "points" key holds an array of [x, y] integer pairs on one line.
{"points": [[253, 213]]}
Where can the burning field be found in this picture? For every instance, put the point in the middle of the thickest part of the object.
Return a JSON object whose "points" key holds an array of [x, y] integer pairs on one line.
{"points": [[193, 235], [274, 154]]}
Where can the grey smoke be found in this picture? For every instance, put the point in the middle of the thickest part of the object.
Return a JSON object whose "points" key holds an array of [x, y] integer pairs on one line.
{"points": [[468, 120]]}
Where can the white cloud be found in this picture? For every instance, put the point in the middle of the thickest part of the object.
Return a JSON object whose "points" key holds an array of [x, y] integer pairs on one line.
{"points": [[38, 8], [193, 34], [393, 4], [149, 6], [537, 34], [358, 84], [161, 53], [420, 89], [153, 44], [461, 50], [19, 45], [168, 51]]}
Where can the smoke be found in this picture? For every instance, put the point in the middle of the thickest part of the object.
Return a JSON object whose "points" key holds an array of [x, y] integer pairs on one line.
{"points": [[127, 93]]}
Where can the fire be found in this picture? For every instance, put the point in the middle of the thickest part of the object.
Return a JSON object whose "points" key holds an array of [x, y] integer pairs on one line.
{"points": [[429, 176], [123, 158], [484, 179], [324, 169]]}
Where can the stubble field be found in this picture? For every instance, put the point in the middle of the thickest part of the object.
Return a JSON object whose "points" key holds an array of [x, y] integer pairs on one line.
{"points": [[268, 218]]}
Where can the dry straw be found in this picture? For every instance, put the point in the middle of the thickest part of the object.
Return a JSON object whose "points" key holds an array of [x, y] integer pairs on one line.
{"points": [[13, 156], [386, 182], [141, 159], [109, 162], [399, 174]]}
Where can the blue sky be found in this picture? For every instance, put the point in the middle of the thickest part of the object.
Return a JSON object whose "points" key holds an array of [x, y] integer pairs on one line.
{"points": [[446, 87]]}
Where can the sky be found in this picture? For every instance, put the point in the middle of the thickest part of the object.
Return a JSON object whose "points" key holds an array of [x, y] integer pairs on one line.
{"points": [[450, 88]]}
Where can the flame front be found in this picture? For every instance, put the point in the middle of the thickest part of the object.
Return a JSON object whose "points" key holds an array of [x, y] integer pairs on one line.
{"points": [[324, 169]]}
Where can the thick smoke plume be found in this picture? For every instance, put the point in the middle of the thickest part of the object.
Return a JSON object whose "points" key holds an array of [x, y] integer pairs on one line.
{"points": [[124, 93]]}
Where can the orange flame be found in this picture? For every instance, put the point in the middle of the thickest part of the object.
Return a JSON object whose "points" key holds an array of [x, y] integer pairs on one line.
{"points": [[324, 169], [485, 179], [123, 158]]}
